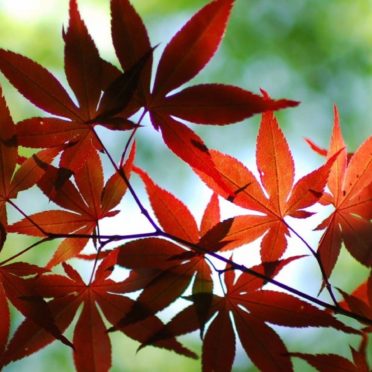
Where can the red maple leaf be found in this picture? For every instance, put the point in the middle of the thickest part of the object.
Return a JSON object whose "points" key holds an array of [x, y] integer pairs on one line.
{"points": [[251, 308], [350, 186], [91, 343], [161, 266], [183, 58], [88, 75], [84, 206], [278, 198]]}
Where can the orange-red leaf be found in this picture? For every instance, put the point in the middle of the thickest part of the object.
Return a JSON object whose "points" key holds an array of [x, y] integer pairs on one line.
{"points": [[53, 222], [274, 162], [350, 185], [211, 215], [172, 214]]}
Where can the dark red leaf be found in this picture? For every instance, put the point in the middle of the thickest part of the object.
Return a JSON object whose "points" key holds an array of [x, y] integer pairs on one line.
{"points": [[219, 345], [91, 341], [216, 104], [30, 338], [37, 84], [5, 320], [47, 132], [130, 38], [82, 63], [192, 47], [328, 362], [188, 146], [264, 347], [119, 93]]}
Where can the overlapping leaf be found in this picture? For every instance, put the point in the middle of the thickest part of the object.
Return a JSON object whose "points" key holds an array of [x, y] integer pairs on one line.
{"points": [[279, 197], [251, 308], [15, 288], [360, 300], [165, 268], [183, 58], [83, 205], [88, 75], [176, 256], [92, 347], [350, 185]]}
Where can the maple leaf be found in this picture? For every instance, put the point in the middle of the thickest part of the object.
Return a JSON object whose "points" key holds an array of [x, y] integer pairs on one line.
{"points": [[278, 198], [92, 347], [84, 206], [165, 267], [350, 186], [88, 75], [251, 308], [183, 58], [161, 266]]}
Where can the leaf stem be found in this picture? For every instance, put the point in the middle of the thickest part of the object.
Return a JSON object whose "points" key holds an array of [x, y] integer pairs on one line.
{"points": [[24, 250], [131, 138], [321, 267]]}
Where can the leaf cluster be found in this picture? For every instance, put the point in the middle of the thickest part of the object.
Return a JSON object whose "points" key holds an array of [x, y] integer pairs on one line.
{"points": [[177, 257]]}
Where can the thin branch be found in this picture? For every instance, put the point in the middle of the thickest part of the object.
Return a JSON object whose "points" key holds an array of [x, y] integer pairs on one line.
{"points": [[335, 308], [28, 217], [24, 250], [129, 185]]}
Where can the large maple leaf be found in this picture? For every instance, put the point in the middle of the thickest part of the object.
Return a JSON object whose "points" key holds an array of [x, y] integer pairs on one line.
{"points": [[182, 59], [278, 198], [251, 307], [350, 186], [84, 206], [92, 347], [161, 266], [88, 76]]}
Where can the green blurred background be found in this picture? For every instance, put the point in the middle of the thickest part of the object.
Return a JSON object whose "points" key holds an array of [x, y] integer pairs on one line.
{"points": [[314, 51]]}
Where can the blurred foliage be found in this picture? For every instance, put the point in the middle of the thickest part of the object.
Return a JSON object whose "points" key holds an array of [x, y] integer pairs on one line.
{"points": [[315, 51]]}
